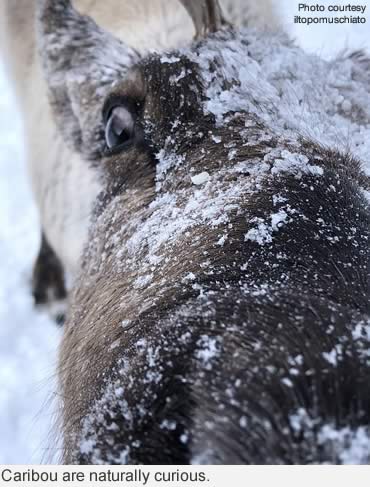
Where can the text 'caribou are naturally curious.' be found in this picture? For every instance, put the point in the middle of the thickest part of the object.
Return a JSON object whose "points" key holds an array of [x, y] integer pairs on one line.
{"points": [[219, 304]]}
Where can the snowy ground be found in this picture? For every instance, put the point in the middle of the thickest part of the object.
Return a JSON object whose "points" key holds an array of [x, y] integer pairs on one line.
{"points": [[28, 340]]}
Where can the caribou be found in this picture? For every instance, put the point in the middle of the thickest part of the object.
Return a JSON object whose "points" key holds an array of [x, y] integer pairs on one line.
{"points": [[216, 224]]}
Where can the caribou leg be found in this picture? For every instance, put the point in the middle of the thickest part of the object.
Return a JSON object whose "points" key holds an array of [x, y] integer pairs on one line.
{"points": [[48, 284]]}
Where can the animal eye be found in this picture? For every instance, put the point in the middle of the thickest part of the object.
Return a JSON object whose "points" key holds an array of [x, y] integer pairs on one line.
{"points": [[119, 129]]}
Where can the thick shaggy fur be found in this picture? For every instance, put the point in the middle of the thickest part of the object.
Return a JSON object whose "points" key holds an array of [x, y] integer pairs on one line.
{"points": [[235, 352]]}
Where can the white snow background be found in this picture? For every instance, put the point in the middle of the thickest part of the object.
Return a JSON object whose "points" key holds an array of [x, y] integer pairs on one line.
{"points": [[28, 339]]}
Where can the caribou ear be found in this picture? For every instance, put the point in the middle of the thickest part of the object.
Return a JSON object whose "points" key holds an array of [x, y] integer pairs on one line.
{"points": [[81, 61], [207, 16]]}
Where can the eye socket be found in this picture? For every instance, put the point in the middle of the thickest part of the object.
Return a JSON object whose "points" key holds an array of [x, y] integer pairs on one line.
{"points": [[119, 129]]}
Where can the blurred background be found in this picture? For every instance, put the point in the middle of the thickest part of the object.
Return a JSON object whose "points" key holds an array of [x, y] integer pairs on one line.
{"points": [[28, 339]]}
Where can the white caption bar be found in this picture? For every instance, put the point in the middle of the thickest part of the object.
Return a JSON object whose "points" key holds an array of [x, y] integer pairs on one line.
{"points": [[209, 476]]}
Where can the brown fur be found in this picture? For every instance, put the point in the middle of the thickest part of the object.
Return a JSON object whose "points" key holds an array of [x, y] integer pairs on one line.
{"points": [[107, 295]]}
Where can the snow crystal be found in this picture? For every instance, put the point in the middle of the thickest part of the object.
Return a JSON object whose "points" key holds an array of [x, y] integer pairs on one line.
{"points": [[221, 241], [166, 162], [300, 420], [189, 277], [206, 457], [262, 234], [175, 79], [115, 344], [184, 438], [143, 281], [168, 425], [119, 391], [333, 355], [361, 330], [201, 178], [87, 446], [125, 323], [292, 163], [169, 59], [352, 446], [277, 219], [287, 382], [208, 351]]}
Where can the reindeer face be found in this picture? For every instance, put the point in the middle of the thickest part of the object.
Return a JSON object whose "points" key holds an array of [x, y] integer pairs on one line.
{"points": [[119, 111]]}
